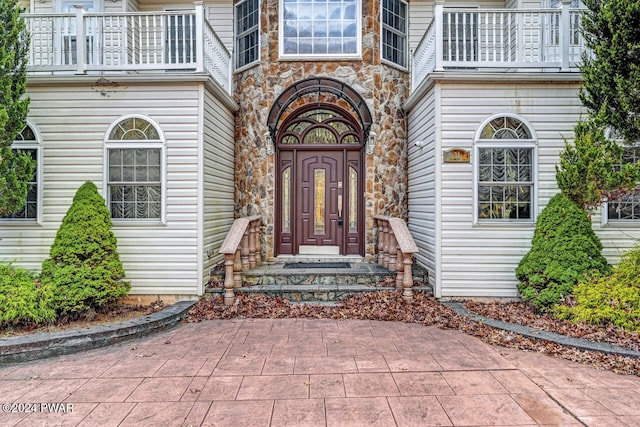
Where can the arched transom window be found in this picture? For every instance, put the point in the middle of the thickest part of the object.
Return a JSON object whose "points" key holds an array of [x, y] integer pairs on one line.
{"points": [[505, 170], [134, 180], [320, 126]]}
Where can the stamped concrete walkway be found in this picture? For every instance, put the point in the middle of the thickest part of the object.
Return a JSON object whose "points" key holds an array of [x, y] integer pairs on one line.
{"points": [[298, 372]]}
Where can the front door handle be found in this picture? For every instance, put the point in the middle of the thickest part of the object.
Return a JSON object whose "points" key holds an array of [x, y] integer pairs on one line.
{"points": [[339, 209]]}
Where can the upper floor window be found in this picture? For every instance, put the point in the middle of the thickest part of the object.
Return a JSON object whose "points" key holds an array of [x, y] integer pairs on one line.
{"points": [[135, 153], [247, 38], [27, 142], [504, 170], [394, 31], [325, 28]]}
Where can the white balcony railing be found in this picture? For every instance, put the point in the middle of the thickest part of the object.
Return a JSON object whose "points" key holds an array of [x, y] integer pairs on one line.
{"points": [[499, 38], [147, 41]]}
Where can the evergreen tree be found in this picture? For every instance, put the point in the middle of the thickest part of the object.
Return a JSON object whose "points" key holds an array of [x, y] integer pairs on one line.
{"points": [[611, 69], [16, 168], [84, 267], [591, 169]]}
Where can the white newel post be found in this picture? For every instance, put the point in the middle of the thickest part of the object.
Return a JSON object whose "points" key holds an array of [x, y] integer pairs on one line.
{"points": [[199, 36], [81, 40], [438, 10], [565, 30]]}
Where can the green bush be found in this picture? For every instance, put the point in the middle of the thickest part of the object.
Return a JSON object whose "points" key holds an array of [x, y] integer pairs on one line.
{"points": [[563, 250], [84, 267], [613, 299], [22, 298]]}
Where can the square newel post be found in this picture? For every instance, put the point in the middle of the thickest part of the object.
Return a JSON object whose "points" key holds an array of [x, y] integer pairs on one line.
{"points": [[407, 292], [565, 35], [380, 237], [199, 5], [229, 282], [438, 18], [81, 44], [385, 244]]}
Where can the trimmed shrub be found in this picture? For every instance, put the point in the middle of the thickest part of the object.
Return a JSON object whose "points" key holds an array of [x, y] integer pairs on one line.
{"points": [[563, 250], [613, 299], [22, 298], [84, 267]]}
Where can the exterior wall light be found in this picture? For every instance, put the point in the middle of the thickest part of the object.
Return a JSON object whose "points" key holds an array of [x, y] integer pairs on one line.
{"points": [[371, 142]]}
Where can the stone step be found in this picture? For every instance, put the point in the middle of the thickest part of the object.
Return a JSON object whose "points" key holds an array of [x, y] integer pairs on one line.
{"points": [[313, 293], [311, 284]]}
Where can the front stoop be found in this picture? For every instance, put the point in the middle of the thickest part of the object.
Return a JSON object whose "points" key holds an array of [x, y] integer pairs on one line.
{"points": [[318, 284]]}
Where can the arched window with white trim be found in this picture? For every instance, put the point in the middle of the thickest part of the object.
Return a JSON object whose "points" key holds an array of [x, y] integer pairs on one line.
{"points": [[27, 141], [135, 158], [504, 170]]}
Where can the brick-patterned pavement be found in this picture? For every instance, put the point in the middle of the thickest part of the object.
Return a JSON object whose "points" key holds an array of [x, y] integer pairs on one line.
{"points": [[300, 372]]}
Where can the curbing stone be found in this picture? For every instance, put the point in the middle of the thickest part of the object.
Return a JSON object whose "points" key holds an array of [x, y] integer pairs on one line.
{"points": [[39, 346]]}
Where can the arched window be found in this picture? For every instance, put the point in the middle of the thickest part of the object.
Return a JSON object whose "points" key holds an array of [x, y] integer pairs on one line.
{"points": [[505, 170], [27, 142], [135, 153]]}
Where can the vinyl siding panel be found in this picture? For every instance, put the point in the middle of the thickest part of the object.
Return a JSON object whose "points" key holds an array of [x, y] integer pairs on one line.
{"points": [[423, 182], [159, 258], [480, 259], [218, 179]]}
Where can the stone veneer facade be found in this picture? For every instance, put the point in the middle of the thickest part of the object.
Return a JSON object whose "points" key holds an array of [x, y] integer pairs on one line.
{"points": [[383, 87]]}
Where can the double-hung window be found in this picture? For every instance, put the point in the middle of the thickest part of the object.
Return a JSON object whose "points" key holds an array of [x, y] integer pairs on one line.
{"points": [[27, 142], [247, 19], [394, 32], [505, 171], [135, 153], [320, 28]]}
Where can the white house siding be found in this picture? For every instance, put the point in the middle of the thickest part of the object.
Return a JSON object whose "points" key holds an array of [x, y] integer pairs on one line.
{"points": [[423, 171], [480, 260], [218, 165], [72, 122]]}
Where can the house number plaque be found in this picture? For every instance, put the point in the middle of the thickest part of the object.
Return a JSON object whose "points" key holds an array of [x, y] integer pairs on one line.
{"points": [[456, 155]]}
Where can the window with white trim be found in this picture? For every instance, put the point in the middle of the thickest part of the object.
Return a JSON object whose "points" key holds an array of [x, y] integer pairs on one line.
{"points": [[27, 142], [505, 170], [627, 207], [324, 28], [135, 153], [247, 20], [394, 31]]}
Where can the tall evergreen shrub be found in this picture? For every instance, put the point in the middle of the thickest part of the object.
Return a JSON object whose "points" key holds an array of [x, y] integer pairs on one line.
{"points": [[84, 267], [564, 249]]}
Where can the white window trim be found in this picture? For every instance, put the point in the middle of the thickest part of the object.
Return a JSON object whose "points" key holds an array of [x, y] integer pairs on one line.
{"points": [[37, 145], [406, 40], [161, 144], [503, 143], [324, 56], [236, 35]]}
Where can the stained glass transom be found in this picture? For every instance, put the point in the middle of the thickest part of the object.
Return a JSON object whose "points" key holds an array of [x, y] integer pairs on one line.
{"points": [[320, 126]]}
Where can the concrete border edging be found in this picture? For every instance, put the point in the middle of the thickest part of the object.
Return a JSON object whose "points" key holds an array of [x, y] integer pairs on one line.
{"points": [[540, 334], [39, 346]]}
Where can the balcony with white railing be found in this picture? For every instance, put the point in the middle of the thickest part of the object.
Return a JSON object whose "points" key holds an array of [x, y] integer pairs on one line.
{"points": [[129, 41], [499, 40]]}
